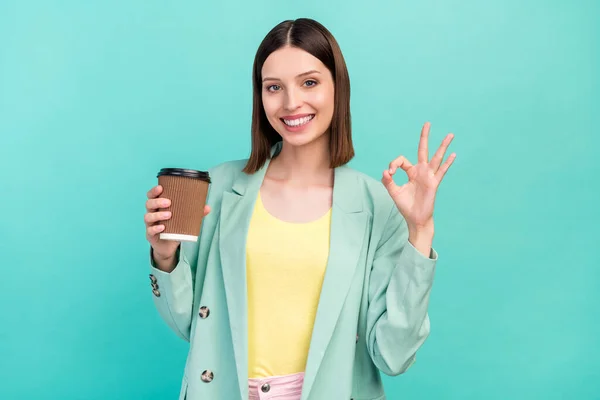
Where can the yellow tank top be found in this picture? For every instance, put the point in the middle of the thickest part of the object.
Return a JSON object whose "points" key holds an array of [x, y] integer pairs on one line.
{"points": [[285, 267]]}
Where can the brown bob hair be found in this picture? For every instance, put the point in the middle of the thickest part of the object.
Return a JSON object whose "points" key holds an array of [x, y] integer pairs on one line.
{"points": [[312, 37]]}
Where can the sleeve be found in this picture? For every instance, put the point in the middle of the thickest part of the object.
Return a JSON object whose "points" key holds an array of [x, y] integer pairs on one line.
{"points": [[173, 292], [399, 287]]}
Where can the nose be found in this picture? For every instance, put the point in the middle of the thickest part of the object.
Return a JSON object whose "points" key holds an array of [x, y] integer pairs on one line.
{"points": [[293, 100]]}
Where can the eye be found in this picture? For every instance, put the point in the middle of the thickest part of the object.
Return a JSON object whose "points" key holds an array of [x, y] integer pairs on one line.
{"points": [[310, 83], [273, 88]]}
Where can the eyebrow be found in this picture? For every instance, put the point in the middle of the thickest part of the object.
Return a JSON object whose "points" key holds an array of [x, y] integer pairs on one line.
{"points": [[312, 71]]}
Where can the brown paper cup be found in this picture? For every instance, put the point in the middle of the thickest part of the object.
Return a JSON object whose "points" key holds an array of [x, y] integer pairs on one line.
{"points": [[187, 190]]}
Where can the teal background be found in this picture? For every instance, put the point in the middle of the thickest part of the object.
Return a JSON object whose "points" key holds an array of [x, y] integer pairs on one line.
{"points": [[96, 97]]}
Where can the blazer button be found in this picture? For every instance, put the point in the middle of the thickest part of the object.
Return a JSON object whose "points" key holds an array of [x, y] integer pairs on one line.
{"points": [[156, 292], [204, 312], [356, 342], [152, 278], [207, 376], [155, 286], [265, 388]]}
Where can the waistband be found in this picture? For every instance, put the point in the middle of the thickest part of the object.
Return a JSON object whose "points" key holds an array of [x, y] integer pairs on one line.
{"points": [[282, 387]]}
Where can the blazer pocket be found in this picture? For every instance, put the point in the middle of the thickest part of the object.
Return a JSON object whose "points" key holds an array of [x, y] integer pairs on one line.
{"points": [[183, 392]]}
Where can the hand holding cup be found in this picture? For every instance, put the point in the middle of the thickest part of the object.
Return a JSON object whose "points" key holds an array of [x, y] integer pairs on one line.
{"points": [[174, 212], [163, 249]]}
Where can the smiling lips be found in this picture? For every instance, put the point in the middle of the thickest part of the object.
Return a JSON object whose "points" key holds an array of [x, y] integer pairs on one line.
{"points": [[295, 123]]}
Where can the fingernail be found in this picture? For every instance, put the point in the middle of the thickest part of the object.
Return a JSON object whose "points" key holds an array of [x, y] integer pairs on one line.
{"points": [[166, 203], [167, 214], [390, 171]]}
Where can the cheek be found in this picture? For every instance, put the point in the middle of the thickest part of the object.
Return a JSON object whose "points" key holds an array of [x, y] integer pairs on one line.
{"points": [[271, 106], [323, 101]]}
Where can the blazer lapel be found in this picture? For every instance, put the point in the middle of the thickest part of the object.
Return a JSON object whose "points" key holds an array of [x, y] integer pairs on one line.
{"points": [[236, 212], [348, 227]]}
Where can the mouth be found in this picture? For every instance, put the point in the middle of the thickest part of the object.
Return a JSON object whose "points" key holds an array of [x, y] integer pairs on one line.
{"points": [[297, 124]]}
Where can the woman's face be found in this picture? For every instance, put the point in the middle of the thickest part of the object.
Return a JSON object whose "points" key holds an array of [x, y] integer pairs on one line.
{"points": [[297, 95]]}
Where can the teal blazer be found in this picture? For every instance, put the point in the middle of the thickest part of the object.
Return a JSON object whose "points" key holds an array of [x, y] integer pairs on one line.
{"points": [[372, 313]]}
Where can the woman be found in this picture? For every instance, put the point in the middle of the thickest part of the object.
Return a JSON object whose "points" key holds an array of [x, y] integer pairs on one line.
{"points": [[308, 277]]}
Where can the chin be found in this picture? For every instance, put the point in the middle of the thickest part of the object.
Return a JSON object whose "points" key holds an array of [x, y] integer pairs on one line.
{"points": [[301, 138]]}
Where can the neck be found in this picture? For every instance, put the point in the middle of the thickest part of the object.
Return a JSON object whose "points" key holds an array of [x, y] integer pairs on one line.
{"points": [[303, 165]]}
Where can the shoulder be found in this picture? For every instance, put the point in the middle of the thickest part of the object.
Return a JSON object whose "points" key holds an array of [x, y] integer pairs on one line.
{"points": [[363, 192], [375, 196], [386, 219], [227, 170], [223, 175]]}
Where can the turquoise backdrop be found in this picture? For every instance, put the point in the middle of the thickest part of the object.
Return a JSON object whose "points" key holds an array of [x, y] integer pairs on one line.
{"points": [[96, 97]]}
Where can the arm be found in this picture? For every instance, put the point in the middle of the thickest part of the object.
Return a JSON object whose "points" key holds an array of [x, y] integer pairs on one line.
{"points": [[399, 288], [175, 280]]}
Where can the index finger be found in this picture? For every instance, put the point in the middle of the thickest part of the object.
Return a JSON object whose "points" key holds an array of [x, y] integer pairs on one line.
{"points": [[154, 192], [423, 155]]}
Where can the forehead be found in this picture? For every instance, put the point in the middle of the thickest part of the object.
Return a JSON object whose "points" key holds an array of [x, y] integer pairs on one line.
{"points": [[288, 62]]}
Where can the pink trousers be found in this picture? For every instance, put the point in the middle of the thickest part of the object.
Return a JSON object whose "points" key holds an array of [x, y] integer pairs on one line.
{"points": [[284, 387]]}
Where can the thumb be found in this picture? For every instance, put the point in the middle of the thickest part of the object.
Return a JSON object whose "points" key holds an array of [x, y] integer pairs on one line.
{"points": [[388, 181]]}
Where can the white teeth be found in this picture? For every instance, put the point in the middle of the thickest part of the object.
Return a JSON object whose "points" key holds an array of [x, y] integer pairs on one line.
{"points": [[299, 121]]}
